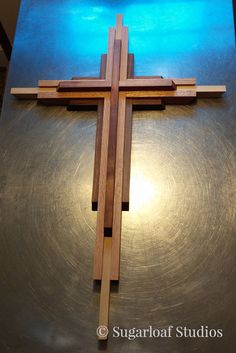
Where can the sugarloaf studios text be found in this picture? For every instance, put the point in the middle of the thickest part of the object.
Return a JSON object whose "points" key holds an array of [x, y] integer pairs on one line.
{"points": [[170, 331]]}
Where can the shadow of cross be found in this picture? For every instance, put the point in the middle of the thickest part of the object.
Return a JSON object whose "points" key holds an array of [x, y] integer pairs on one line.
{"points": [[114, 94]]}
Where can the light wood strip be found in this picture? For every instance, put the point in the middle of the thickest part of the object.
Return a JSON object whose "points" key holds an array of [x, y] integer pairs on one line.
{"points": [[111, 40], [177, 81], [97, 267], [117, 212], [105, 286], [119, 26], [124, 54], [184, 81], [98, 143], [112, 139], [128, 142], [70, 95], [55, 83], [25, 93], [210, 91], [161, 94]]}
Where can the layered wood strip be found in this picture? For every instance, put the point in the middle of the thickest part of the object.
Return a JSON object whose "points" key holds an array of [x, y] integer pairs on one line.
{"points": [[98, 253], [112, 139], [111, 39], [98, 141], [117, 211], [50, 93], [65, 96], [83, 85], [128, 141], [105, 286], [147, 84]]}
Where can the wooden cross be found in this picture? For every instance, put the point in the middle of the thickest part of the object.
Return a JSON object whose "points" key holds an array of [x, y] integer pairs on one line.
{"points": [[114, 94]]}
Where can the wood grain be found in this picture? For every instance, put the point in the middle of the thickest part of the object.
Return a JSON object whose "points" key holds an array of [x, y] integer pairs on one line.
{"points": [[128, 142], [130, 71], [84, 85], [57, 96], [124, 54], [98, 141], [105, 286], [147, 84], [112, 139], [97, 266], [119, 26], [179, 96], [111, 39], [117, 211]]}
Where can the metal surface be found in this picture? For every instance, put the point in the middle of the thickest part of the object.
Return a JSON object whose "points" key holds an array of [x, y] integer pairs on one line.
{"points": [[178, 240]]}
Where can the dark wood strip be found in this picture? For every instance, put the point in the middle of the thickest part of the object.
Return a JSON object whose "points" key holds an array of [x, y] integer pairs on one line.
{"points": [[128, 142], [103, 66], [130, 71], [98, 141], [147, 84], [105, 287], [99, 245], [127, 156], [83, 85], [117, 216], [112, 139]]}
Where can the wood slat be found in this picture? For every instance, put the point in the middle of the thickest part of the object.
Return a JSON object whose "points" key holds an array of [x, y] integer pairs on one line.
{"points": [[55, 83], [112, 139], [184, 81], [147, 84], [103, 66], [130, 71], [111, 39], [177, 81], [57, 96], [210, 91], [124, 54], [179, 96], [147, 77], [83, 85], [25, 93], [119, 26], [98, 254], [98, 141], [127, 156], [128, 142], [117, 211], [105, 286], [84, 78]]}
